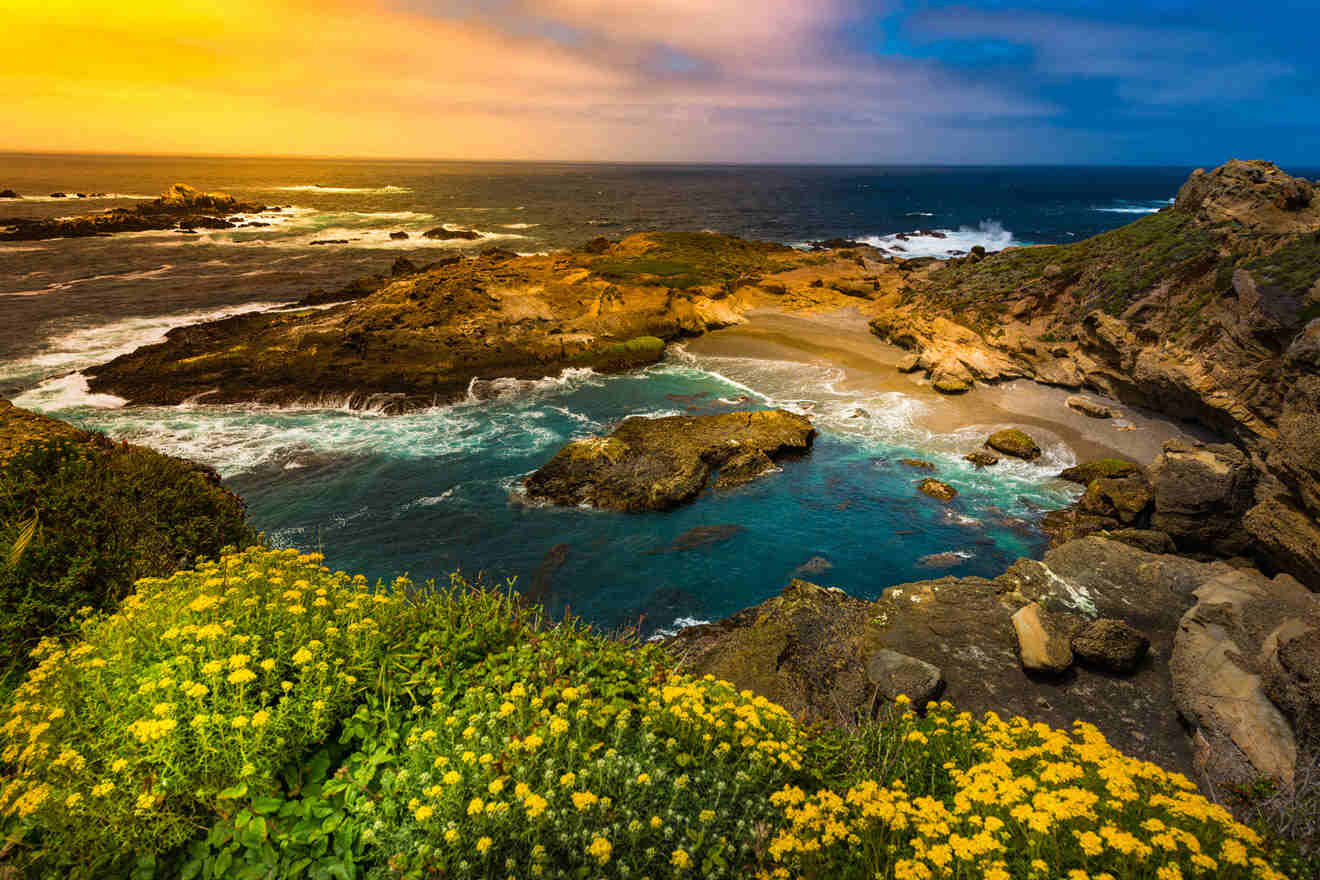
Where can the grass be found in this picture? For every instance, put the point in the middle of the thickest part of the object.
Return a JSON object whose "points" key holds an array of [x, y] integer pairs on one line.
{"points": [[683, 260]]}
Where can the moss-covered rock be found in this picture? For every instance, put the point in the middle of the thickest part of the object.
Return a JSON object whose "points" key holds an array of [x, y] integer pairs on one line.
{"points": [[1087, 471], [656, 464], [1014, 442]]}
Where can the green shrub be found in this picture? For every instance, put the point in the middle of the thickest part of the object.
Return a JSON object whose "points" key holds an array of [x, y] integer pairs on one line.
{"points": [[198, 690], [105, 516]]}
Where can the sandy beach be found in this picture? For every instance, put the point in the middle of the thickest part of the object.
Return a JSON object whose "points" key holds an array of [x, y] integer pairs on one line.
{"points": [[842, 340]]}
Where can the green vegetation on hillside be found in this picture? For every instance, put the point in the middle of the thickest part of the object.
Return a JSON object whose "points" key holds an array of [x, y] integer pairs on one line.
{"points": [[1295, 267], [81, 520], [259, 716], [1112, 270], [689, 259]]}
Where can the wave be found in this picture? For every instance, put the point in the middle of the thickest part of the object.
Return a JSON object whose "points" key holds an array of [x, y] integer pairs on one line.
{"points": [[989, 234], [54, 286], [919, 214], [519, 225], [679, 623], [364, 190], [70, 346], [1136, 207], [99, 197]]}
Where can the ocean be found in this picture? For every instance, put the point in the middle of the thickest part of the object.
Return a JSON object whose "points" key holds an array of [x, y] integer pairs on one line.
{"points": [[436, 490]]}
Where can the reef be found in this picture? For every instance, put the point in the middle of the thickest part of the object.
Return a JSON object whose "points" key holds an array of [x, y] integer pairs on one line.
{"points": [[180, 207]]}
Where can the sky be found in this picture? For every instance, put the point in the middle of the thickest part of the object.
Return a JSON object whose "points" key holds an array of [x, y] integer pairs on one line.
{"points": [[1171, 82]]}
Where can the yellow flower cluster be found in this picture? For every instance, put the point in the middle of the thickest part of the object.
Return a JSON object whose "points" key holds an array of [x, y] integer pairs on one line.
{"points": [[1027, 801], [199, 682]]}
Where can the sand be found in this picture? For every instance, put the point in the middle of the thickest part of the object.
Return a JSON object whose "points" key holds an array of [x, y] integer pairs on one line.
{"points": [[843, 340]]}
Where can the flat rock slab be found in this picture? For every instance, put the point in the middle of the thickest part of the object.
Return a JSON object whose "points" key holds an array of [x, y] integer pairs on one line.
{"points": [[658, 464]]}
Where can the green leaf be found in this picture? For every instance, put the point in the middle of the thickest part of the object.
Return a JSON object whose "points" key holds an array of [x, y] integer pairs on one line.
{"points": [[265, 805], [234, 792]]}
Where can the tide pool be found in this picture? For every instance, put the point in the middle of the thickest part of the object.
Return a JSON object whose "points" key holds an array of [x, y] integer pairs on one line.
{"points": [[437, 490]]}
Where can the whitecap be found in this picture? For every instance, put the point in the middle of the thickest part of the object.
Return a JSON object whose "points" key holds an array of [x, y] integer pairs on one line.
{"points": [[519, 225], [66, 392], [368, 190], [679, 624], [989, 234], [103, 197]]}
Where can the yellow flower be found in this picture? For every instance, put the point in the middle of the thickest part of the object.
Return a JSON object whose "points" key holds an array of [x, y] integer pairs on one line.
{"points": [[484, 844], [423, 813], [584, 799], [680, 860], [600, 849], [535, 805], [260, 718], [241, 676]]}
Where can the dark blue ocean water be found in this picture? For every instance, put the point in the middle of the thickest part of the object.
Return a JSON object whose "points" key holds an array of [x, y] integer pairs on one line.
{"points": [[436, 490]]}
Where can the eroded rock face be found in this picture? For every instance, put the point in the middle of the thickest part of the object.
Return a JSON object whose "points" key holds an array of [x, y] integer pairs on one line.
{"points": [[1110, 644], [1201, 492], [1091, 408], [657, 464], [1286, 538], [963, 627], [1231, 651], [1043, 643]]}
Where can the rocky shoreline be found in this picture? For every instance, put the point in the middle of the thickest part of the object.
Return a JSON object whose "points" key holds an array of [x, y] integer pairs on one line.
{"points": [[180, 208], [1175, 608]]}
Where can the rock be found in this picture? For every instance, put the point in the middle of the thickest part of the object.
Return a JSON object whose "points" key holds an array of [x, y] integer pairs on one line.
{"points": [[918, 463], [1043, 645], [323, 241], [1012, 441], [657, 464], [1201, 492], [830, 244], [813, 566], [9, 194], [1127, 499], [947, 559], [179, 205], [1148, 540], [1087, 471], [443, 233], [946, 384], [1090, 408], [1227, 659], [1110, 644], [893, 673], [909, 363], [937, 489], [553, 560], [1285, 539], [59, 195], [403, 266], [398, 236], [598, 245], [981, 459]]}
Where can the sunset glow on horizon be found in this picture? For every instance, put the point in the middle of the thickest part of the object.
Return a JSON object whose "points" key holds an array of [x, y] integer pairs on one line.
{"points": [[832, 81]]}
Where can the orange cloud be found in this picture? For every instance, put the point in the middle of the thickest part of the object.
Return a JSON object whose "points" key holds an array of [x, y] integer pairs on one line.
{"points": [[590, 79]]}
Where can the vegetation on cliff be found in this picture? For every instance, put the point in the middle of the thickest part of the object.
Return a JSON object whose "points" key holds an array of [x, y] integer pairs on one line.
{"points": [[82, 518]]}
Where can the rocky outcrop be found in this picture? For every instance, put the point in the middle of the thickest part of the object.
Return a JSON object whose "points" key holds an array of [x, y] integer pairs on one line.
{"points": [[937, 489], [1285, 539], [1110, 644], [1236, 676], [1014, 442], [180, 207], [1207, 311], [423, 337], [1201, 492], [1091, 408], [9, 194], [657, 464], [443, 234]]}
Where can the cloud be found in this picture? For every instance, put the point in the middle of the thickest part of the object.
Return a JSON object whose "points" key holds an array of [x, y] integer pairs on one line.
{"points": [[588, 79], [1150, 64]]}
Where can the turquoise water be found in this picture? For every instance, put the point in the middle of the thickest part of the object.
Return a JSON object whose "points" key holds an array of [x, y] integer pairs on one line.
{"points": [[438, 490]]}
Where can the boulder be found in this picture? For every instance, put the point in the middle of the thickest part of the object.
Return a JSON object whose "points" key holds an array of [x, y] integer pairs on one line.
{"points": [[9, 194], [1144, 539], [442, 233], [909, 363], [1014, 442], [1090, 408], [398, 236], [918, 463], [1285, 539], [948, 384], [1126, 499], [1110, 644], [657, 464], [893, 673], [1043, 644], [1234, 649], [1087, 471], [937, 489], [981, 459], [1201, 492]]}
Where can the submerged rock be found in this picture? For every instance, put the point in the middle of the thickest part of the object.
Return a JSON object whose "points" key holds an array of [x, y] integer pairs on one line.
{"points": [[981, 459], [1014, 442], [443, 233], [919, 463], [657, 464], [701, 536]]}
